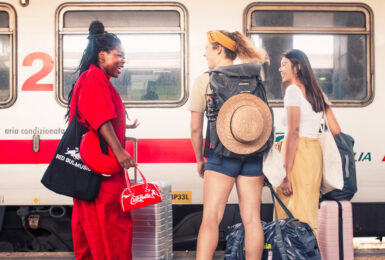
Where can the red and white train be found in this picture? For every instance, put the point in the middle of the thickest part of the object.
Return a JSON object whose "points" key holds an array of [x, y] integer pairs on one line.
{"points": [[41, 42]]}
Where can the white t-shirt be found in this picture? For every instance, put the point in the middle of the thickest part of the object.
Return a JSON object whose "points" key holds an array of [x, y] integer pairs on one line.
{"points": [[309, 120]]}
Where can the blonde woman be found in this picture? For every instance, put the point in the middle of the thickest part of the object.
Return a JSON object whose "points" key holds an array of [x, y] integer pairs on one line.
{"points": [[221, 173]]}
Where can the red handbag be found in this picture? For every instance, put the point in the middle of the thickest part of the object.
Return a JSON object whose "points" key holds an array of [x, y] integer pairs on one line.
{"points": [[140, 194]]}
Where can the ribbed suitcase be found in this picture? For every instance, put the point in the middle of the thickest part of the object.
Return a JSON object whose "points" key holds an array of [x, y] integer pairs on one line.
{"points": [[335, 230], [152, 228]]}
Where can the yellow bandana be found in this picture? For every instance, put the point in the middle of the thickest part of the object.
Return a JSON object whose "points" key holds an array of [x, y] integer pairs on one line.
{"points": [[217, 36]]}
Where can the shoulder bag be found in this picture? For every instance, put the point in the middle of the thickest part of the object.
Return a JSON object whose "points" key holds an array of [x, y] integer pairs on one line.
{"points": [[273, 166], [332, 176], [345, 145], [67, 174]]}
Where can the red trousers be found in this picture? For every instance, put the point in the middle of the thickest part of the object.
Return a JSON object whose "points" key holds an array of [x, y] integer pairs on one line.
{"points": [[100, 229]]}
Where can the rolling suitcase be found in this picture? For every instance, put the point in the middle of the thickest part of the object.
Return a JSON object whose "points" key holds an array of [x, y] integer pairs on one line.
{"points": [[152, 228], [335, 230]]}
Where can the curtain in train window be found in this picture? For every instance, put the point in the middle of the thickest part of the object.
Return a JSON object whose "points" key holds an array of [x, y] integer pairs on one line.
{"points": [[336, 42], [7, 95], [153, 42]]}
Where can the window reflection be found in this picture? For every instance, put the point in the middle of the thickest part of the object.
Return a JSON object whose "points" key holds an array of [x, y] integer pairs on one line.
{"points": [[337, 39], [4, 68], [151, 72], [318, 48], [309, 19], [338, 62]]}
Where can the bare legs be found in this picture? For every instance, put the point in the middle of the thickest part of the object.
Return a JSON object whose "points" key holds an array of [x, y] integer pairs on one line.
{"points": [[250, 195], [217, 188]]}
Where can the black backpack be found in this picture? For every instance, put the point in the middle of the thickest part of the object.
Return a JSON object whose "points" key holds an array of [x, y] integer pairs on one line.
{"points": [[225, 82]]}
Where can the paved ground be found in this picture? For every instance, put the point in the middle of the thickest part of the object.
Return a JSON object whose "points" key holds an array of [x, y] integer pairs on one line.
{"points": [[359, 254], [364, 249]]}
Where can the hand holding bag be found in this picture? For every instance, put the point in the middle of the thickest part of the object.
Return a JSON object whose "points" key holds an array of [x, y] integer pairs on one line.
{"points": [[332, 177], [139, 194], [274, 166]]}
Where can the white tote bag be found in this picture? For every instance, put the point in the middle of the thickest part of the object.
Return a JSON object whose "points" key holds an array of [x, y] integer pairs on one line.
{"points": [[332, 177], [273, 166]]}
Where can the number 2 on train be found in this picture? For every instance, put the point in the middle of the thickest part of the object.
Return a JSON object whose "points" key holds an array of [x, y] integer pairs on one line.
{"points": [[31, 83]]}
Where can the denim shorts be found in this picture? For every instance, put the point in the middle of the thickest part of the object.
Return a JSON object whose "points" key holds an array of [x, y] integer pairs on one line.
{"points": [[233, 167]]}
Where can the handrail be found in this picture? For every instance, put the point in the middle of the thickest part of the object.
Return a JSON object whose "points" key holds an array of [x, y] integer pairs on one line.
{"points": [[128, 138]]}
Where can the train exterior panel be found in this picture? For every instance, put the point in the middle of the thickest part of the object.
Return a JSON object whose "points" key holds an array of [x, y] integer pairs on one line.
{"points": [[41, 42]]}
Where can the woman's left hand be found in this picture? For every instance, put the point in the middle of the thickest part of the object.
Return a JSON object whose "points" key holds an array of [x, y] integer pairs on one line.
{"points": [[286, 186], [134, 125]]}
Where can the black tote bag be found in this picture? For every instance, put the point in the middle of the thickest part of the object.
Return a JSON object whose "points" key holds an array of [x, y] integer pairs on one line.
{"points": [[66, 173]]}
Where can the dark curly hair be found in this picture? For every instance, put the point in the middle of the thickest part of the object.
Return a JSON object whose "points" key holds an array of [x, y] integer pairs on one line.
{"points": [[98, 40]]}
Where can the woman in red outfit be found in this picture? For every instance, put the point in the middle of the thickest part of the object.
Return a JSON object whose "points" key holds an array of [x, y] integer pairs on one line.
{"points": [[100, 229]]}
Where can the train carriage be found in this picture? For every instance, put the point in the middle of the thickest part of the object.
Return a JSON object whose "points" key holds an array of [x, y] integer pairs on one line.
{"points": [[41, 42]]}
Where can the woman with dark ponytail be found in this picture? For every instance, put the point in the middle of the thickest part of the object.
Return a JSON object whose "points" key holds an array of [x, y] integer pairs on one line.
{"points": [[101, 230], [304, 106]]}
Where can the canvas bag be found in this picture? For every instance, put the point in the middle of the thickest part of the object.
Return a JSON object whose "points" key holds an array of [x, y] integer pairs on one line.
{"points": [[225, 82], [345, 145], [273, 166], [332, 175], [67, 174]]}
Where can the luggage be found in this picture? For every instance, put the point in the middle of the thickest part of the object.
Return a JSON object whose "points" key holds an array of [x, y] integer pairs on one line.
{"points": [[152, 228], [285, 239], [335, 230]]}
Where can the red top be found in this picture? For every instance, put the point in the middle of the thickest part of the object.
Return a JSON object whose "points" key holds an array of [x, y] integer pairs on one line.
{"points": [[98, 102]]}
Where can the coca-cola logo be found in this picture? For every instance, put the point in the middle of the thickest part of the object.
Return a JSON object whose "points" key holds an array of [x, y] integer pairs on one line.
{"points": [[141, 197]]}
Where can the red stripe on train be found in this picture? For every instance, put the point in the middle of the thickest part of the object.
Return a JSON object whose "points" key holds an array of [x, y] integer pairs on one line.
{"points": [[149, 151]]}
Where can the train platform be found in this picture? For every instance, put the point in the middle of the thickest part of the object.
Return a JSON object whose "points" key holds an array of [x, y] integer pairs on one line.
{"points": [[359, 254], [364, 249]]}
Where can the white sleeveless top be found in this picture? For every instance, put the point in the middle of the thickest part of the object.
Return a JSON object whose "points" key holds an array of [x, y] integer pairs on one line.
{"points": [[309, 120]]}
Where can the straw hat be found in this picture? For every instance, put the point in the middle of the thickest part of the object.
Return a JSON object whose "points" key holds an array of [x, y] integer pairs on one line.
{"points": [[244, 123]]}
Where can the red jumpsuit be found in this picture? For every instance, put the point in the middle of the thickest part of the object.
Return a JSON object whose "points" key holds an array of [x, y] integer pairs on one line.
{"points": [[100, 229]]}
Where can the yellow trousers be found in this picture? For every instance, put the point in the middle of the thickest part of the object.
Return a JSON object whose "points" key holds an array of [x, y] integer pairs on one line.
{"points": [[306, 176]]}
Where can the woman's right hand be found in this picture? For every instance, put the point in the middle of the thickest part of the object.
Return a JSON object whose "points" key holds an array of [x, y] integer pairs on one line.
{"points": [[201, 168], [124, 158], [286, 186]]}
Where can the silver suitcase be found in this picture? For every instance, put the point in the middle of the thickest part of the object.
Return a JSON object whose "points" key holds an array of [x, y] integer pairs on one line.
{"points": [[152, 228]]}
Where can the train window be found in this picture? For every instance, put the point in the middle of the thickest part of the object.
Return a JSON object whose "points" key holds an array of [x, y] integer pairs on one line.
{"points": [[308, 19], [128, 18], [7, 56], [337, 38], [154, 40]]}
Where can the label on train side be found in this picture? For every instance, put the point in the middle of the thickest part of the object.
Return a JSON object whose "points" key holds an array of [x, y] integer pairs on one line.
{"points": [[181, 197]]}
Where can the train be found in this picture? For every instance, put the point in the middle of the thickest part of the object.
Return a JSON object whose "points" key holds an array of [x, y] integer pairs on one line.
{"points": [[41, 42]]}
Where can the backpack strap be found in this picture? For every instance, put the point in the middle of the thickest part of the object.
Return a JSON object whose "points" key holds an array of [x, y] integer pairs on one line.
{"points": [[206, 150]]}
